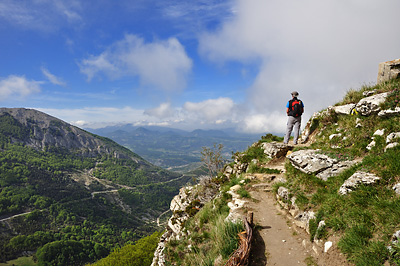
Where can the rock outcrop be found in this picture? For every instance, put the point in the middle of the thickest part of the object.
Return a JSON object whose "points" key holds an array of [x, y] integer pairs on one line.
{"points": [[276, 149], [321, 165], [369, 105], [388, 70], [183, 206], [357, 179], [41, 131]]}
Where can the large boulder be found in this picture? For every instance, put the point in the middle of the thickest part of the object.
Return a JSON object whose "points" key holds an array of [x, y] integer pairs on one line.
{"points": [[388, 70], [321, 165], [369, 105], [310, 161], [344, 109], [357, 179], [275, 149]]}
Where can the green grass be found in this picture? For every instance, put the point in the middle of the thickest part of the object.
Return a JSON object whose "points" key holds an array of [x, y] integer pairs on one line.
{"points": [[21, 261], [210, 237], [367, 217]]}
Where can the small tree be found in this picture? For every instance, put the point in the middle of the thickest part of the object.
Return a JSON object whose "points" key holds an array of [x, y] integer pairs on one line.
{"points": [[212, 158]]}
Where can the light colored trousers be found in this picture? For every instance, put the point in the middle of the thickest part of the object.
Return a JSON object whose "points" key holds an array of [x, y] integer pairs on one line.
{"points": [[296, 123]]}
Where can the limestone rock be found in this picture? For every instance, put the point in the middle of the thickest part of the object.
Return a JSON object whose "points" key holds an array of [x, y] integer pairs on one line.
{"points": [[369, 105], [321, 165], [236, 205], [379, 132], [335, 170], [302, 220], [344, 109], [355, 180], [283, 193], [371, 145], [389, 112], [327, 246], [275, 149], [392, 136], [308, 129], [396, 188], [310, 161], [391, 145], [369, 93], [390, 140], [388, 70]]}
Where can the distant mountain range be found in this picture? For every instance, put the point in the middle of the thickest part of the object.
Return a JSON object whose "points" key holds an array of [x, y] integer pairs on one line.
{"points": [[175, 149]]}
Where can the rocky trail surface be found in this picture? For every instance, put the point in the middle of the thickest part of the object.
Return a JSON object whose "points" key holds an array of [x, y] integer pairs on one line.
{"points": [[277, 239]]}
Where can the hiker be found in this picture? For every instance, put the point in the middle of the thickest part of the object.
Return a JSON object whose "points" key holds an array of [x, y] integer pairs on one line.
{"points": [[294, 109]]}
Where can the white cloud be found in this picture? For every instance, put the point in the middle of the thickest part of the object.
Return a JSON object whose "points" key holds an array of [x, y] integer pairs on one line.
{"points": [[161, 64], [163, 111], [262, 123], [319, 48], [52, 78], [95, 117], [17, 86], [43, 15], [211, 110]]}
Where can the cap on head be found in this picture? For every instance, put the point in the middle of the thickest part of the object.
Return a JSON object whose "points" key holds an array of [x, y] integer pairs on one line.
{"points": [[295, 94]]}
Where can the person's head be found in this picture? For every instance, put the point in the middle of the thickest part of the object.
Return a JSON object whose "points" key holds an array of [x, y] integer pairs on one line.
{"points": [[295, 94]]}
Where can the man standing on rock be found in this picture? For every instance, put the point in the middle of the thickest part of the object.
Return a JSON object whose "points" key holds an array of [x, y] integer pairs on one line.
{"points": [[294, 109]]}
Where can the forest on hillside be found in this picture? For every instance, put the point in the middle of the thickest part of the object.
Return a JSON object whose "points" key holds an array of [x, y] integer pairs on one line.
{"points": [[45, 207]]}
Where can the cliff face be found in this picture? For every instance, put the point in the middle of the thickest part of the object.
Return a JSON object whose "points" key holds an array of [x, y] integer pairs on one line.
{"points": [[41, 131]]}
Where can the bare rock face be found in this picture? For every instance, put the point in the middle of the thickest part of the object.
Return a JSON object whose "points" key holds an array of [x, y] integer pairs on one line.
{"points": [[201, 193], [275, 149], [344, 109], [369, 105], [357, 179], [389, 112], [321, 165], [310, 161], [388, 70], [42, 131]]}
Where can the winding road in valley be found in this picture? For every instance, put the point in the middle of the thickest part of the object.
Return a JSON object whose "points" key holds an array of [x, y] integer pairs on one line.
{"points": [[6, 219]]}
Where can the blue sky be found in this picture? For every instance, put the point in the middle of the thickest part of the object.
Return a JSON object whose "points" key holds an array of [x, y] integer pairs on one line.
{"points": [[197, 64]]}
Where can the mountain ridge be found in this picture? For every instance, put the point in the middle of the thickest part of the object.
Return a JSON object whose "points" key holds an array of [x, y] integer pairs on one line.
{"points": [[59, 184]]}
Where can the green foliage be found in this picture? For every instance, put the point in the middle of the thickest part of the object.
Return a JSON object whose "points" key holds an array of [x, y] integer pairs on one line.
{"points": [[211, 236], [69, 252], [243, 193], [393, 99], [11, 128], [253, 152], [367, 217], [255, 168], [270, 138], [352, 96], [40, 182], [139, 254]]}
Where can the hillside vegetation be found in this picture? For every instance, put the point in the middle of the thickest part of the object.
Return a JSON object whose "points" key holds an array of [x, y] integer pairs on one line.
{"points": [[362, 223], [70, 195]]}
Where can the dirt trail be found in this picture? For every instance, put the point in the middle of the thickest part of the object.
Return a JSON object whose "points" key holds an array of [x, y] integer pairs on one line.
{"points": [[277, 240]]}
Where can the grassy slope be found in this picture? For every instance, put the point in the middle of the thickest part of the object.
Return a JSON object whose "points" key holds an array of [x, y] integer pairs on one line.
{"points": [[366, 218]]}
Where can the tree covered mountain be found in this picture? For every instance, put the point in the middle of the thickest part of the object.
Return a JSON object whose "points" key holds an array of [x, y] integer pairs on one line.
{"points": [[60, 184]]}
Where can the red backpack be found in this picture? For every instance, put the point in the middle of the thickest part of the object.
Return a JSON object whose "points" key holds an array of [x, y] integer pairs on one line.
{"points": [[295, 108]]}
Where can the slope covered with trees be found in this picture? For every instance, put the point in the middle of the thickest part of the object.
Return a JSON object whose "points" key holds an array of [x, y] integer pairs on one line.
{"points": [[62, 188]]}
